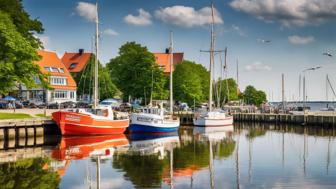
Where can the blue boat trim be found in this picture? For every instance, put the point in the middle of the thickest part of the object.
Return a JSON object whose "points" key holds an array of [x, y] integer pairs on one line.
{"points": [[146, 128]]}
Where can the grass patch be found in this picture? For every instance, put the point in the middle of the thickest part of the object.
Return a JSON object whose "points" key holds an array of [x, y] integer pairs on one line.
{"points": [[42, 115], [14, 116]]}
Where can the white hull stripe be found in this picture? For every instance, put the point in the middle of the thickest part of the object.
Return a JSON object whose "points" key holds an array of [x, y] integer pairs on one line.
{"points": [[102, 126]]}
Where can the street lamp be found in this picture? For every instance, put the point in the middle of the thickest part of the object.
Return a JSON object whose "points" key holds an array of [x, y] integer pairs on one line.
{"points": [[304, 83]]}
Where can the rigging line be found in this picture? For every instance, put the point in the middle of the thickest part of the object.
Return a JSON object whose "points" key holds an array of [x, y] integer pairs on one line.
{"points": [[220, 81], [83, 73], [332, 89]]}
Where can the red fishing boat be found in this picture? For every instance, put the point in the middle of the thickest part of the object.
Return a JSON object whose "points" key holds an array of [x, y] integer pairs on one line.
{"points": [[96, 121]]}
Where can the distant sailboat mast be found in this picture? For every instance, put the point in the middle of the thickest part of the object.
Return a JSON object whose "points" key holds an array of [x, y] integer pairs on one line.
{"points": [[212, 44], [95, 88], [171, 72]]}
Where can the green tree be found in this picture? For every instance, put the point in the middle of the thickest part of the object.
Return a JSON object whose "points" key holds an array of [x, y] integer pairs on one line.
{"points": [[253, 96], [20, 18], [145, 171], [85, 79], [28, 173], [223, 86], [191, 82], [17, 56], [132, 72]]}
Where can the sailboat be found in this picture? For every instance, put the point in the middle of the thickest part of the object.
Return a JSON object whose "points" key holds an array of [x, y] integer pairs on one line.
{"points": [[212, 117], [155, 119], [97, 120]]}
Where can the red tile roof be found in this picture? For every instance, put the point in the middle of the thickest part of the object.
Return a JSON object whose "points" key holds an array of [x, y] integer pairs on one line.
{"points": [[50, 59], [79, 61], [163, 60]]}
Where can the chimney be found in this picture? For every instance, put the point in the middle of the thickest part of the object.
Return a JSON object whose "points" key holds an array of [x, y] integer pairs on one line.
{"points": [[81, 51]]}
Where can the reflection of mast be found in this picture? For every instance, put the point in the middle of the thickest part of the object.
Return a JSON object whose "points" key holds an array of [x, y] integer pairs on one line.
{"points": [[328, 156], [171, 169], [88, 175], [304, 151], [283, 147], [98, 172], [211, 165], [250, 160], [237, 163]]}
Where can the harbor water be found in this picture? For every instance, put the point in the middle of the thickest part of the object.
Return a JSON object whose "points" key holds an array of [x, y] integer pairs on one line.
{"points": [[241, 156]]}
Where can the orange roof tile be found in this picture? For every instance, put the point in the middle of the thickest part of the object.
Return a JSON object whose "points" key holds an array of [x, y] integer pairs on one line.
{"points": [[163, 59], [80, 59], [50, 59]]}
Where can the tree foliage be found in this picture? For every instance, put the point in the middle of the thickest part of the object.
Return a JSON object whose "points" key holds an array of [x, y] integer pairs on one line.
{"points": [[253, 96], [20, 18], [222, 87], [18, 51], [132, 72], [85, 81], [28, 173], [191, 82]]}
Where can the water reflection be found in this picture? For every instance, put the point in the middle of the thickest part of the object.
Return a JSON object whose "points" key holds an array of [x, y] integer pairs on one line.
{"points": [[243, 156]]}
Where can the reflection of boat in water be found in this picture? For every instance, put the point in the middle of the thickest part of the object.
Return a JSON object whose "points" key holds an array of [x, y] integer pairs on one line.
{"points": [[213, 133], [147, 144], [79, 147]]}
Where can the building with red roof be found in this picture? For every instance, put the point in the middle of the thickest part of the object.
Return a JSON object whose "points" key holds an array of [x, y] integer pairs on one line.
{"points": [[163, 60], [76, 62], [63, 86]]}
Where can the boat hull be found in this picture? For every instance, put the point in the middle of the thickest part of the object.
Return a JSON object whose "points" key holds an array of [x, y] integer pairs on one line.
{"points": [[149, 123], [205, 122], [136, 128], [72, 123]]}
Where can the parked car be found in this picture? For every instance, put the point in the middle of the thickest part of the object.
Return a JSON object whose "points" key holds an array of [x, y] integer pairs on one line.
{"points": [[53, 106], [110, 102], [83, 104], [125, 107], [68, 104]]}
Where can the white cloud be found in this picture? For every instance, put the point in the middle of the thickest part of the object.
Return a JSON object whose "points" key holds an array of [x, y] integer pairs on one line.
{"points": [[288, 12], [87, 11], [143, 19], [238, 30], [257, 66], [300, 40], [110, 32], [187, 16], [45, 40]]}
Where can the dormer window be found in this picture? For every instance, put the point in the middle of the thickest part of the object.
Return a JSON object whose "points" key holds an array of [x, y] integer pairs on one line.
{"points": [[61, 70], [72, 65]]}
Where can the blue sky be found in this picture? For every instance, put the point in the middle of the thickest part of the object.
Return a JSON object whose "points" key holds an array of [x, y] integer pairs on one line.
{"points": [[300, 32]]}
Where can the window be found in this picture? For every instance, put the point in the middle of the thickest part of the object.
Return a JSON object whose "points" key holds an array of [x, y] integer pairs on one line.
{"points": [[48, 69], [72, 65], [60, 94], [37, 80], [58, 80], [72, 94], [55, 70]]}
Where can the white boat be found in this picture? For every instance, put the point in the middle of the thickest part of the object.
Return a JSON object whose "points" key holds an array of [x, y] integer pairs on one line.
{"points": [[212, 117], [153, 120]]}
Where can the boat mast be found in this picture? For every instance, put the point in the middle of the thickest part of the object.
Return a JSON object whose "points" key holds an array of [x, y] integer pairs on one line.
{"points": [[212, 44], [171, 72], [95, 88]]}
